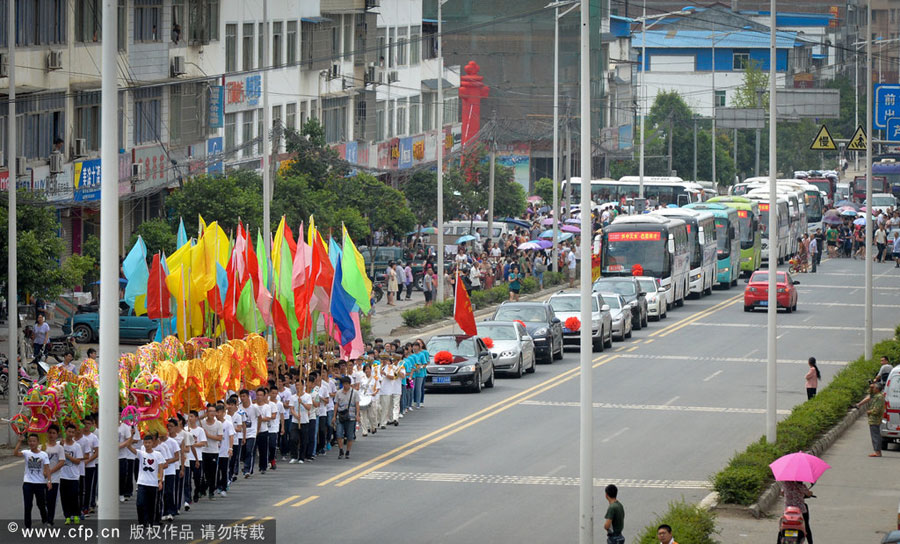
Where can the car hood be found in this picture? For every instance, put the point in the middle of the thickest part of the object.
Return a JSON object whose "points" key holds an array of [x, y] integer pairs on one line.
{"points": [[504, 345], [566, 315], [533, 327], [617, 313], [458, 360]]}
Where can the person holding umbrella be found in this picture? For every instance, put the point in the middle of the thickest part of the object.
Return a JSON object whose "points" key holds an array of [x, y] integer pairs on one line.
{"points": [[792, 471]]}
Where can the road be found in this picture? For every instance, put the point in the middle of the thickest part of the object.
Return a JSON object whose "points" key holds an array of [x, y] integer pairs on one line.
{"points": [[672, 405]]}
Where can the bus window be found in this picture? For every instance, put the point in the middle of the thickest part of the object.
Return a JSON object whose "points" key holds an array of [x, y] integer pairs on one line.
{"points": [[623, 250], [723, 240]]}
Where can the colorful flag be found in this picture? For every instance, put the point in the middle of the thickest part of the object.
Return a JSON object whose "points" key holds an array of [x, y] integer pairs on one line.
{"points": [[355, 280], [259, 273], [462, 309], [182, 235], [135, 269], [341, 306], [158, 298], [322, 275]]}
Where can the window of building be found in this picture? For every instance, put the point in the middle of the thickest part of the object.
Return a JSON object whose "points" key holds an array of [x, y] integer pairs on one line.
{"points": [[336, 40], [379, 120], [87, 119], [204, 20], [451, 109], [428, 111], [414, 115], [277, 37], [40, 23], [247, 43], [313, 109], [187, 113], [391, 109], [291, 43], [381, 41], [230, 47], [212, 19], [230, 128], [429, 41], [291, 119], [178, 21], [415, 45], [247, 136], [147, 114], [348, 35], [87, 21], [334, 113], [122, 30], [276, 116], [261, 46], [304, 116], [360, 121], [402, 44], [720, 99], [147, 20], [392, 43], [261, 131], [401, 117], [740, 60]]}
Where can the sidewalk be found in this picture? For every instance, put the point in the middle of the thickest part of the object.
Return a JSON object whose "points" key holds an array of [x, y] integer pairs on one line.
{"points": [[856, 501]]}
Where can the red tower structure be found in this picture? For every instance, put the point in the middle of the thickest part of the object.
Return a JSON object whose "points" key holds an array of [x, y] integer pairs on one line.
{"points": [[471, 91]]}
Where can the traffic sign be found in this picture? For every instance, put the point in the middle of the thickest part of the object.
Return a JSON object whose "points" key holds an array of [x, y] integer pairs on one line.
{"points": [[823, 141], [887, 103], [893, 129], [858, 141]]}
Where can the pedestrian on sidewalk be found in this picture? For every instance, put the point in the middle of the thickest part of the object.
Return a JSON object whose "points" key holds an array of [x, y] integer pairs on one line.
{"points": [[664, 534], [795, 494], [812, 378], [814, 254], [427, 284], [41, 336], [392, 285], [874, 413], [881, 243], [896, 249], [615, 517], [407, 277], [884, 371]]}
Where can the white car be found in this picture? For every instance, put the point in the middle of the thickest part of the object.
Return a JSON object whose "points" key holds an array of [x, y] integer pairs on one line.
{"points": [[620, 312], [568, 305], [883, 201], [656, 300], [511, 347]]}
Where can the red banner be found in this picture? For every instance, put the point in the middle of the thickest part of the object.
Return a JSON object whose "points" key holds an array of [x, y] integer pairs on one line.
{"points": [[634, 236]]}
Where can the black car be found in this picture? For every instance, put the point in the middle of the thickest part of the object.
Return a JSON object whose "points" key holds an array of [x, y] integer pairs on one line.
{"points": [[542, 325], [631, 291], [470, 367]]}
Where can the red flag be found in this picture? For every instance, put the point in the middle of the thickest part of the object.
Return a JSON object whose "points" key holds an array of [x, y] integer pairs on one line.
{"points": [[462, 309], [158, 297], [283, 332], [322, 276], [233, 327]]}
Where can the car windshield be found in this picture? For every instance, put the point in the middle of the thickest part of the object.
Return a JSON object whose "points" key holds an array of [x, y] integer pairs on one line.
{"points": [[883, 201], [620, 287], [611, 300], [648, 284], [526, 314], [763, 277], [569, 304], [497, 332], [463, 348]]}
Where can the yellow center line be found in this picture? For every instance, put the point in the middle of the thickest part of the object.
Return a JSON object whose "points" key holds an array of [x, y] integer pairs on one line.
{"points": [[506, 406], [632, 348], [307, 500], [692, 318], [287, 500], [620, 348], [649, 340]]}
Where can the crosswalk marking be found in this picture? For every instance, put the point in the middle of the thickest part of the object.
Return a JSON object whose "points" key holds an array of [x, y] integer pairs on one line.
{"points": [[657, 407], [531, 480]]}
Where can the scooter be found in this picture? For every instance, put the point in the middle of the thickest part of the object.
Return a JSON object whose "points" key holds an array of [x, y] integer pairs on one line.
{"points": [[791, 527]]}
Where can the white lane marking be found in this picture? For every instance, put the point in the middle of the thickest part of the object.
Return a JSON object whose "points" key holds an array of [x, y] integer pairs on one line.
{"points": [[713, 375], [780, 335], [656, 407], [726, 359], [804, 327], [751, 352], [531, 480], [807, 285], [10, 465], [848, 304], [554, 471], [671, 400], [614, 435]]}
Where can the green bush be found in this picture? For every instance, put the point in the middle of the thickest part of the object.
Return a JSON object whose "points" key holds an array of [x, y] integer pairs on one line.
{"points": [[747, 474], [690, 524]]}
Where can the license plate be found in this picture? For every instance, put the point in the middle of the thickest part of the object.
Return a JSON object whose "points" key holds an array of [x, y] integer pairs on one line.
{"points": [[791, 533], [764, 303], [441, 379]]}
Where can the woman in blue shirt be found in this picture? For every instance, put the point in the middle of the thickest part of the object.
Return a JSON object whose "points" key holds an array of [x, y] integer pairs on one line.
{"points": [[420, 372]]}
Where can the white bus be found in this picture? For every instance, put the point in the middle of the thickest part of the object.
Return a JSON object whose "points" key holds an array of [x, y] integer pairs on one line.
{"points": [[811, 199], [659, 191], [656, 244], [701, 227], [784, 226]]}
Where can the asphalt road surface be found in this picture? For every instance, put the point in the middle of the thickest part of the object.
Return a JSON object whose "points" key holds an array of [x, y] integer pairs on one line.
{"points": [[672, 405]]}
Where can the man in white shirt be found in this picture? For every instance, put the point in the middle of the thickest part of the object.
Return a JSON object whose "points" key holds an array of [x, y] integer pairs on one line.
{"points": [[322, 441], [57, 457], [237, 422], [194, 456], [226, 449], [299, 409], [70, 475], [264, 411], [127, 455], [284, 400], [168, 446], [249, 415], [36, 480], [276, 426], [571, 266], [390, 394], [213, 429], [89, 496]]}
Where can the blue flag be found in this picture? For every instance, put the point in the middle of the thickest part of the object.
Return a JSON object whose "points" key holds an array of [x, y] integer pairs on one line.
{"points": [[182, 235], [341, 306]]}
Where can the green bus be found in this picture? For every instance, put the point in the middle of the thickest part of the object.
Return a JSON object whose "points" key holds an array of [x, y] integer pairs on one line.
{"points": [[728, 262], [748, 229]]}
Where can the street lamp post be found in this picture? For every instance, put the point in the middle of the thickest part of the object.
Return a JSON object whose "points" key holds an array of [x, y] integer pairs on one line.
{"points": [[440, 155], [771, 339]]}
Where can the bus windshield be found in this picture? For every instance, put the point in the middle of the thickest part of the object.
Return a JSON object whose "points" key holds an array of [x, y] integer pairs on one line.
{"points": [[622, 255], [764, 224], [745, 229], [813, 208], [821, 184], [723, 242]]}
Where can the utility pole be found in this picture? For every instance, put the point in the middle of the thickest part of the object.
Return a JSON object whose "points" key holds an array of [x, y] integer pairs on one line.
{"points": [[490, 213], [440, 153], [108, 388], [671, 134], [771, 338], [869, 226], [759, 93], [267, 124], [568, 165], [12, 300], [714, 104], [735, 152], [695, 149]]}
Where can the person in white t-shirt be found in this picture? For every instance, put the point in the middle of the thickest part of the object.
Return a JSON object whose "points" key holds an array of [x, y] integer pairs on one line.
{"points": [[284, 401], [85, 442], [390, 393], [89, 498], [308, 413], [237, 422], [194, 456], [276, 426], [324, 394], [37, 478], [250, 415], [226, 450], [295, 437], [56, 456], [127, 456], [151, 465], [170, 450], [265, 416], [368, 392], [184, 440], [213, 429], [69, 477]]}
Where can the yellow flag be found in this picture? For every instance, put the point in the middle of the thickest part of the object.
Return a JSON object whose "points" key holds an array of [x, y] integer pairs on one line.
{"points": [[276, 246]]}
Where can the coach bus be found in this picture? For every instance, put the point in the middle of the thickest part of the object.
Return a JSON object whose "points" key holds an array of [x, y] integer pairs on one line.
{"points": [[784, 227], [661, 191], [748, 229], [728, 253], [811, 203], [651, 245], [702, 240]]}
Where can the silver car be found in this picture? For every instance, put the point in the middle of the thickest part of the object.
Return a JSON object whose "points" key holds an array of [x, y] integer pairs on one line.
{"points": [[510, 346], [568, 305], [656, 299], [620, 312]]}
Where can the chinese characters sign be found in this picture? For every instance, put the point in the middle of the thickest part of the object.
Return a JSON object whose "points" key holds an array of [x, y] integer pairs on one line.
{"points": [[87, 178], [634, 236], [242, 92]]}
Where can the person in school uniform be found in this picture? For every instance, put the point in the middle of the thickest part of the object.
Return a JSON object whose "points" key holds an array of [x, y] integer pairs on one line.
{"points": [[249, 413], [237, 422], [36, 480], [151, 465], [169, 448], [226, 450], [213, 429], [69, 477], [89, 502], [85, 443], [276, 426], [194, 455], [56, 455], [127, 455], [264, 410]]}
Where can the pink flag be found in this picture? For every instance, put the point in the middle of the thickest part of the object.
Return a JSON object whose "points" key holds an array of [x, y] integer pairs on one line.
{"points": [[356, 347]]}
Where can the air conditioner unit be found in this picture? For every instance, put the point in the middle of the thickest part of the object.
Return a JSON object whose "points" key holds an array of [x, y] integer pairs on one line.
{"points": [[80, 147], [137, 171], [178, 66], [4, 65], [56, 163], [54, 60], [370, 75], [21, 165], [371, 4], [335, 71], [380, 77], [393, 76]]}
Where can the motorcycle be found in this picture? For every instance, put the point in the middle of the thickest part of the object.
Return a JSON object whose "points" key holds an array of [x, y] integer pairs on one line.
{"points": [[791, 527], [59, 346], [378, 287]]}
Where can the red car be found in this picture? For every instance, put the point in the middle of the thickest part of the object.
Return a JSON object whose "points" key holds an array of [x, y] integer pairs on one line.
{"points": [[756, 295]]}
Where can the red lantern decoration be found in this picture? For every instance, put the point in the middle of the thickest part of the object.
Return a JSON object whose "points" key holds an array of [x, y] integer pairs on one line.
{"points": [[443, 358], [488, 342], [520, 322], [573, 323]]}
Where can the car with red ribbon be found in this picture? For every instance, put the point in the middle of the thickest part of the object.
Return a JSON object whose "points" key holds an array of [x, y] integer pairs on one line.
{"points": [[567, 307], [459, 361]]}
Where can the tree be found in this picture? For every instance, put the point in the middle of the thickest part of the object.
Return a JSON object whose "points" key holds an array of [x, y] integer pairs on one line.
{"points": [[158, 236], [544, 189], [225, 199], [756, 82], [38, 268]]}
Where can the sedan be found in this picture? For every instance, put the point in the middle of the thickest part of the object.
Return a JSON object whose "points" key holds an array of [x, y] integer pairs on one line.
{"points": [[756, 295], [469, 365], [540, 322], [85, 327], [631, 291], [656, 299], [510, 346], [568, 305], [620, 311]]}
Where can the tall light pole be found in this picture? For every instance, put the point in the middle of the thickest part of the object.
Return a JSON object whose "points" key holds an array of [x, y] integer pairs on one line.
{"points": [[267, 125], [12, 300], [556, 17], [771, 339], [714, 100], [586, 430], [440, 154], [869, 136], [109, 269]]}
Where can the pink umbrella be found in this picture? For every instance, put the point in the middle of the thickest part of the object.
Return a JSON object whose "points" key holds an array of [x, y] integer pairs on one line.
{"points": [[570, 228], [798, 467], [534, 198], [548, 221]]}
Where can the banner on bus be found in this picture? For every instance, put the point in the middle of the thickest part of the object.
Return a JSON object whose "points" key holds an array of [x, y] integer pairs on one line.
{"points": [[634, 236]]}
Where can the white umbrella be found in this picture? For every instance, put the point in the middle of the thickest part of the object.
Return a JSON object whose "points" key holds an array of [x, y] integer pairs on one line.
{"points": [[859, 221]]}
